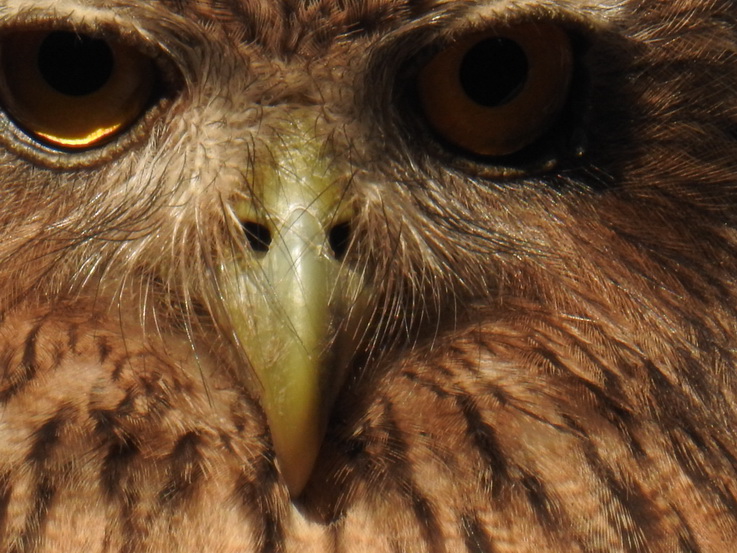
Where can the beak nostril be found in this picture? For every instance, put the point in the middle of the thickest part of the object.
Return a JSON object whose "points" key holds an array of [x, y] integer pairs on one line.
{"points": [[339, 238], [258, 235]]}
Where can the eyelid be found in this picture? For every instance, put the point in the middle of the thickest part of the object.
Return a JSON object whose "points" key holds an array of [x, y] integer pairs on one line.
{"points": [[104, 23]]}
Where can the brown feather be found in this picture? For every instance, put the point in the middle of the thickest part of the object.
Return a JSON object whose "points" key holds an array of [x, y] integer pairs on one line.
{"points": [[549, 361]]}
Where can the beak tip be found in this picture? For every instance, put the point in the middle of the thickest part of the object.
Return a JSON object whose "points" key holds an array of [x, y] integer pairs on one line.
{"points": [[296, 461]]}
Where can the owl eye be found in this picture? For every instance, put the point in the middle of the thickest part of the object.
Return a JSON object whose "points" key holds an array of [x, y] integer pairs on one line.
{"points": [[73, 91], [494, 93]]}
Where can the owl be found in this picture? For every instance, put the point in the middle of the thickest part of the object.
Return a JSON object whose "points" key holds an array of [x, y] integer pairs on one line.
{"points": [[408, 276]]}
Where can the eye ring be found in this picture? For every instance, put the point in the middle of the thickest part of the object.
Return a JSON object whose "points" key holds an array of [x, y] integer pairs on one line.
{"points": [[73, 91], [496, 92]]}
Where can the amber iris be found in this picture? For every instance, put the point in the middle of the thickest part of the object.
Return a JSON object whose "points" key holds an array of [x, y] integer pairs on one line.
{"points": [[73, 91], [495, 92]]}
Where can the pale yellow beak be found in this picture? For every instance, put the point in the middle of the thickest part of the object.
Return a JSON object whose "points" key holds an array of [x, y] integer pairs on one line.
{"points": [[288, 304]]}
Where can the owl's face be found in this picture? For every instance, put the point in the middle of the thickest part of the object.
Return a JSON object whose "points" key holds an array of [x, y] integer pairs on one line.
{"points": [[300, 198]]}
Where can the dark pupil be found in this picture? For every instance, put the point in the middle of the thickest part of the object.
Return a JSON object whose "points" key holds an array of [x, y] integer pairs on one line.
{"points": [[73, 64], [494, 71]]}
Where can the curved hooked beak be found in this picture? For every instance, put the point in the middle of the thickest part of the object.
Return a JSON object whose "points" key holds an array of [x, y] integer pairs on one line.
{"points": [[292, 302]]}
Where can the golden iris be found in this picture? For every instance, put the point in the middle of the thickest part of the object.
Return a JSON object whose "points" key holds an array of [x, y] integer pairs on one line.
{"points": [[494, 92], [73, 91]]}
